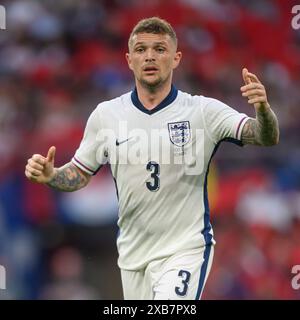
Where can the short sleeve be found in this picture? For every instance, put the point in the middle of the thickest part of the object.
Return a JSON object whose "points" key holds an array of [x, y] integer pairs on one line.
{"points": [[223, 121], [90, 155]]}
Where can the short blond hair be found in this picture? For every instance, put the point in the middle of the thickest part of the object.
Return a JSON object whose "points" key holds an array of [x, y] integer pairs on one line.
{"points": [[154, 25]]}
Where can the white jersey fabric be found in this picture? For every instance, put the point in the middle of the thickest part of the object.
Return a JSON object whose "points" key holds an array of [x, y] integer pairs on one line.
{"points": [[163, 206]]}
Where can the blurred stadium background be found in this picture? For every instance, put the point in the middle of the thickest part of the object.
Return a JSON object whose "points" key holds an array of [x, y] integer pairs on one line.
{"points": [[59, 59]]}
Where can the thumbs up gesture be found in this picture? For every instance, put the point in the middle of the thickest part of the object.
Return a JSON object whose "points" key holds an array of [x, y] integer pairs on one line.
{"points": [[39, 168]]}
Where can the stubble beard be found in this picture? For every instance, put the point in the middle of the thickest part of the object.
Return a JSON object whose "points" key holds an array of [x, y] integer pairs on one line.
{"points": [[152, 86]]}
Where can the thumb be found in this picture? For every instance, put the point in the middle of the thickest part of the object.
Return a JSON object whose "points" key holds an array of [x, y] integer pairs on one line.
{"points": [[51, 154], [246, 77]]}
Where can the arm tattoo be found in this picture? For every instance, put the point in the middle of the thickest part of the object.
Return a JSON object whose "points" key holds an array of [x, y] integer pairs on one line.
{"points": [[262, 131], [68, 178]]}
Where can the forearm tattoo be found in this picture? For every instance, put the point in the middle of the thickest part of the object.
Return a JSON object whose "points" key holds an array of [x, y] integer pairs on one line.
{"points": [[263, 130], [68, 178]]}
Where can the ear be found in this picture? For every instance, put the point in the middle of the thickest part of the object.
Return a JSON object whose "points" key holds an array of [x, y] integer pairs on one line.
{"points": [[177, 59], [128, 60]]}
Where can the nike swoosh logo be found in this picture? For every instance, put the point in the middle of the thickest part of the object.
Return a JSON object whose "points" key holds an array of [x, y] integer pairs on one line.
{"points": [[120, 142]]}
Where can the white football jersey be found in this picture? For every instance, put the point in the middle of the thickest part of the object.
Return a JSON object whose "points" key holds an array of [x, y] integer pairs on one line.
{"points": [[159, 159]]}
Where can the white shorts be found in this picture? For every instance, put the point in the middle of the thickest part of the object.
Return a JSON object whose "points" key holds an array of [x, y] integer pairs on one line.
{"points": [[178, 277]]}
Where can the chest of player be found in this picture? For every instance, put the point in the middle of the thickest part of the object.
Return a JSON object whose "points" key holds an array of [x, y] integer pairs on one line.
{"points": [[175, 140]]}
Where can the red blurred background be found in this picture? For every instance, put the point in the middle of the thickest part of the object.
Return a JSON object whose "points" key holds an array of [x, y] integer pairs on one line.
{"points": [[59, 59]]}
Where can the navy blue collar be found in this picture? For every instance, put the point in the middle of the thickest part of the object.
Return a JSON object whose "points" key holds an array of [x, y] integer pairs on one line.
{"points": [[167, 101]]}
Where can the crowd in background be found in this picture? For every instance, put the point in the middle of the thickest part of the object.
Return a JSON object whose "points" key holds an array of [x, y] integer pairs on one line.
{"points": [[59, 59]]}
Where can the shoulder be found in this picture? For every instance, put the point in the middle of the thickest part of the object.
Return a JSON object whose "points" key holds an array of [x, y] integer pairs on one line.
{"points": [[212, 105], [105, 110], [197, 100], [109, 105]]}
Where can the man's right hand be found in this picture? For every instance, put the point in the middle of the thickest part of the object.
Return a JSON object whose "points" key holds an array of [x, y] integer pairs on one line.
{"points": [[40, 169]]}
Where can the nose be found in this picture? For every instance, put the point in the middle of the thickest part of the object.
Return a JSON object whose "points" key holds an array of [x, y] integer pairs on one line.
{"points": [[149, 56]]}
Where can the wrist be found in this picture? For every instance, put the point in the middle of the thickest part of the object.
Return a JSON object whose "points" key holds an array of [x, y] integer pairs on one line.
{"points": [[263, 107], [52, 176]]}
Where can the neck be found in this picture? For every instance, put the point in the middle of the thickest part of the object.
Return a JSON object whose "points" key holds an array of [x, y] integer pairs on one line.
{"points": [[151, 97]]}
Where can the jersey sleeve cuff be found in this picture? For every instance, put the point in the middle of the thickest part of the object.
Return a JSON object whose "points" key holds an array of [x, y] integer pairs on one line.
{"points": [[83, 167], [239, 129]]}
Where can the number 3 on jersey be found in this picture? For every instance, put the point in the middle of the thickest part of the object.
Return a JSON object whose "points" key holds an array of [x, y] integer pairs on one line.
{"points": [[186, 276], [154, 168]]}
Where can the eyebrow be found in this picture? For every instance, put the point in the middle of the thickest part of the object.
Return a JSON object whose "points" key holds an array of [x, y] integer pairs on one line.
{"points": [[155, 43]]}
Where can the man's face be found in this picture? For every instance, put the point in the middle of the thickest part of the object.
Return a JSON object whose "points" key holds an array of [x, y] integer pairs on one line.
{"points": [[152, 58]]}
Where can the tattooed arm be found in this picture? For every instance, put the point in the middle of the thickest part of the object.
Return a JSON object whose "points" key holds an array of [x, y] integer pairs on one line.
{"points": [[67, 178], [263, 130]]}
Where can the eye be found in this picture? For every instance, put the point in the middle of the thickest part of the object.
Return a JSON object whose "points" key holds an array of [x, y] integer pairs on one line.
{"points": [[160, 49], [140, 49]]}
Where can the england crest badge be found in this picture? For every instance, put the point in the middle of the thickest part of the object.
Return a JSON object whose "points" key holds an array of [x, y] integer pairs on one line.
{"points": [[179, 132]]}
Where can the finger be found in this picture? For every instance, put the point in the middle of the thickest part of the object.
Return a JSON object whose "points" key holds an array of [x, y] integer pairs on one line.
{"points": [[252, 86], [245, 76], [51, 154], [257, 100], [258, 92], [33, 171], [39, 159], [35, 164], [32, 178], [253, 77], [29, 176]]}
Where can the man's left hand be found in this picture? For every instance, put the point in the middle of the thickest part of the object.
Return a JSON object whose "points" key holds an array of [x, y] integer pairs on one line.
{"points": [[254, 90]]}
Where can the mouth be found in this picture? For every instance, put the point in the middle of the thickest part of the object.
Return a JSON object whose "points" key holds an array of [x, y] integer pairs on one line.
{"points": [[150, 69]]}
